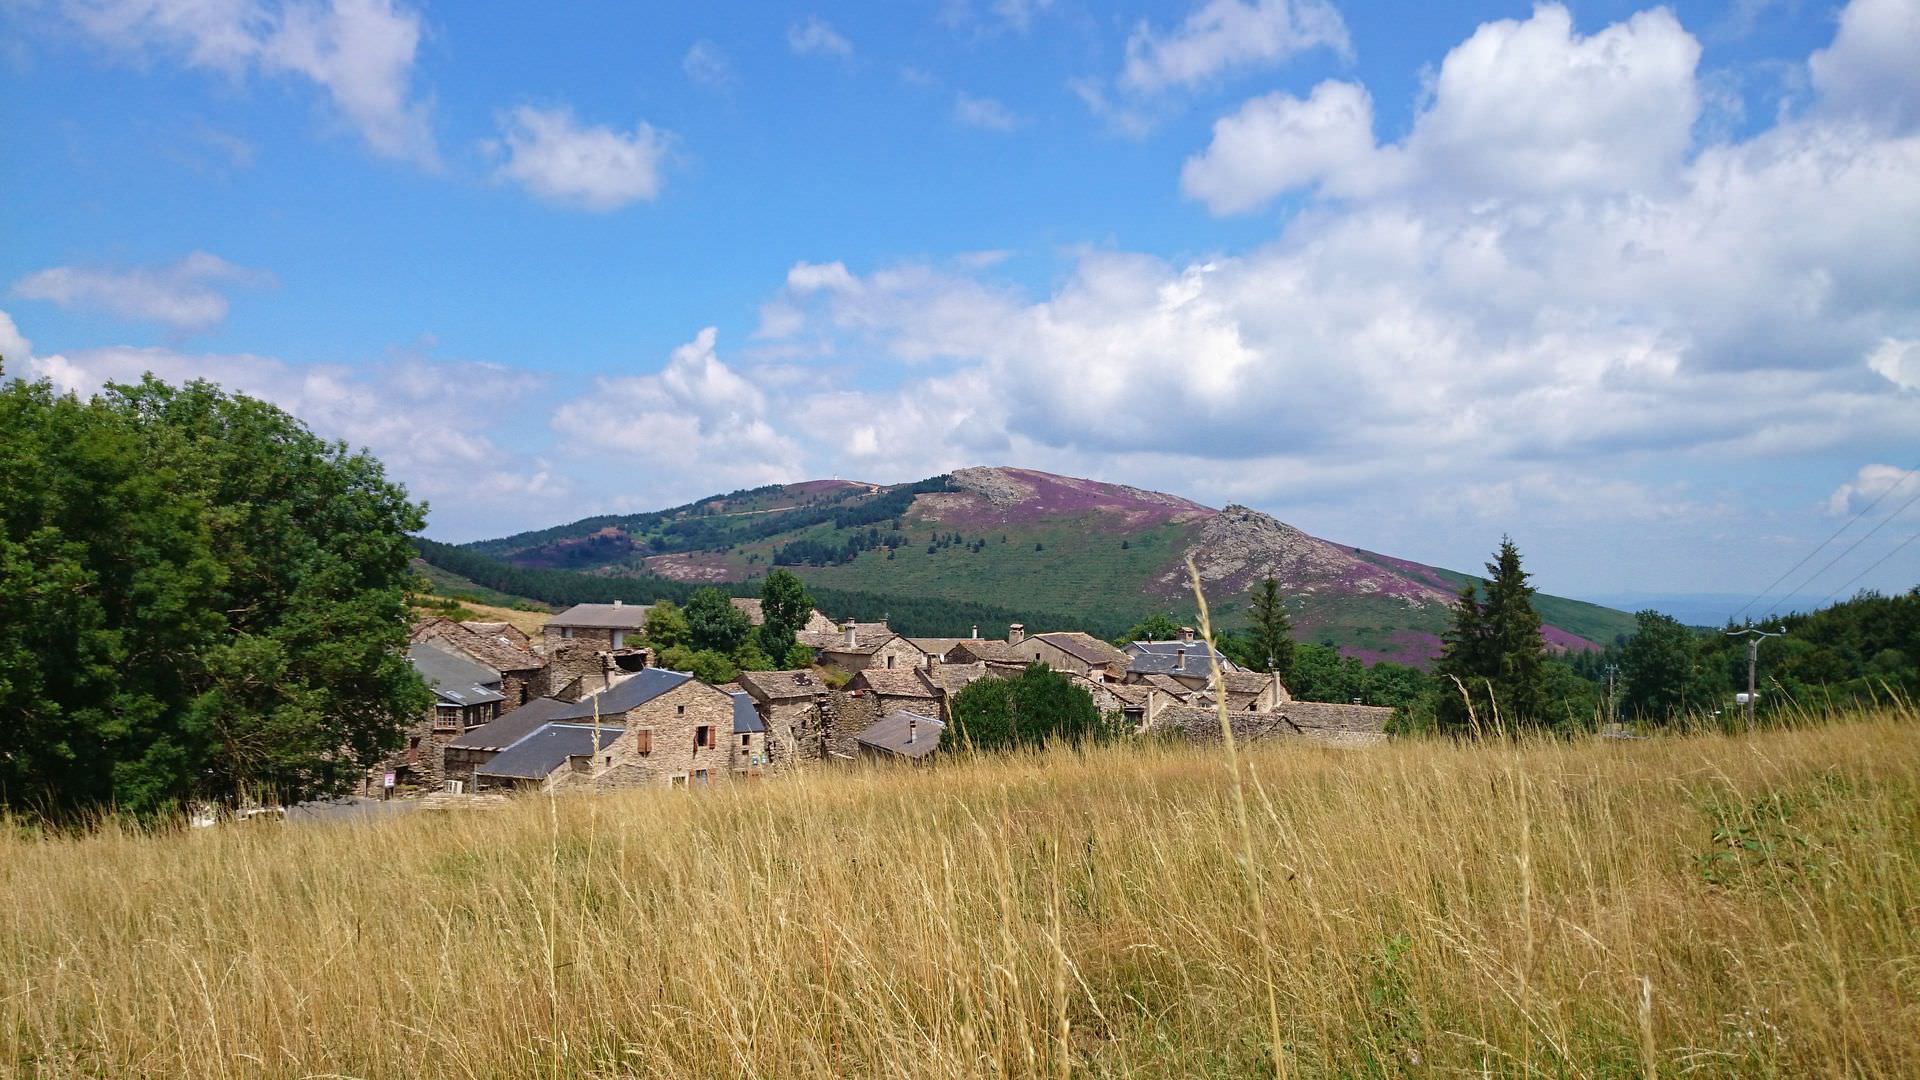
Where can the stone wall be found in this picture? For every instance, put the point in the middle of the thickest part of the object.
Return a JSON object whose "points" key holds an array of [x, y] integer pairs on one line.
{"points": [[660, 740], [841, 717]]}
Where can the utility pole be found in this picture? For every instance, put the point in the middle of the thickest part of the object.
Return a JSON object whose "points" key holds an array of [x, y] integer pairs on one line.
{"points": [[1754, 638], [1613, 710]]}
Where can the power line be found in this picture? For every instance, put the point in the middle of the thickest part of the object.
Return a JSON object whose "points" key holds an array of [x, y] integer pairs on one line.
{"points": [[1871, 569], [1863, 539], [1804, 559]]}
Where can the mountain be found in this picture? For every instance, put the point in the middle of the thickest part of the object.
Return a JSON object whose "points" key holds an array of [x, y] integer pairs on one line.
{"points": [[1018, 540]]}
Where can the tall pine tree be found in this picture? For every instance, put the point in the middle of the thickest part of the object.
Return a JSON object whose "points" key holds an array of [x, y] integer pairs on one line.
{"points": [[1494, 650], [1272, 630]]}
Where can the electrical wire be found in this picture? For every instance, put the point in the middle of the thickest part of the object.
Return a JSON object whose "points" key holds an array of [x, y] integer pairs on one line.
{"points": [[1808, 557], [1877, 564]]}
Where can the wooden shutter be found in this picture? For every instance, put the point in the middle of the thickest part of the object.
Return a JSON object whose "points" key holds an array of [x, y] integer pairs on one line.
{"points": [[643, 740]]}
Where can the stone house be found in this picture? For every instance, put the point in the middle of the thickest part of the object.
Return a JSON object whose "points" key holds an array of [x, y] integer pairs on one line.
{"points": [[544, 757], [471, 755], [1000, 657], [692, 736], [1079, 653], [523, 675], [900, 735], [858, 646], [607, 625], [466, 695], [898, 688], [789, 703]]}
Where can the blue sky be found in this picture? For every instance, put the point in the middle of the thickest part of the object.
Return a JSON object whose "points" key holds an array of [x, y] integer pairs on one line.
{"points": [[1639, 285]]}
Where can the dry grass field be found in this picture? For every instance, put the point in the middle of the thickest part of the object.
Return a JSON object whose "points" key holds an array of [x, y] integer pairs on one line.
{"points": [[1703, 905]]}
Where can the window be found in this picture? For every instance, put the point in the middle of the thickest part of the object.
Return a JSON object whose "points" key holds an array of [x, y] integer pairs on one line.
{"points": [[746, 740], [619, 639], [703, 737], [699, 778], [643, 741], [446, 718], [679, 710], [678, 780], [609, 761], [889, 662], [566, 631]]}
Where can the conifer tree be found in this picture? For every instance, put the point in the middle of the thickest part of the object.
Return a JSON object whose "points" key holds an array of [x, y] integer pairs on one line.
{"points": [[1494, 652], [1272, 630]]}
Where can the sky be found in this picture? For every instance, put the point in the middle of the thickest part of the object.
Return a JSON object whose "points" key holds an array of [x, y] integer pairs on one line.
{"points": [[1636, 285]]}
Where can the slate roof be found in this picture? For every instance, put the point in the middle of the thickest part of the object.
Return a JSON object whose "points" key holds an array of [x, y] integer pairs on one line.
{"points": [[1084, 647], [456, 679], [900, 682], [497, 650], [1170, 684], [1163, 656], [604, 616], [1244, 682], [993, 651], [511, 727], [507, 632], [781, 685], [936, 646], [644, 686], [539, 754], [867, 637], [890, 732], [746, 718]]}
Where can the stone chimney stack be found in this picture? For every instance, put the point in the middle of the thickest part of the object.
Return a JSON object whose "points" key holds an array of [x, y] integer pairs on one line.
{"points": [[852, 631], [1186, 633], [616, 603], [1015, 631]]}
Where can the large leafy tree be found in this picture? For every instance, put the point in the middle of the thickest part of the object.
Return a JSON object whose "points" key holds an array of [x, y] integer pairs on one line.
{"points": [[713, 623], [200, 598], [1158, 626], [1037, 706], [667, 625], [1272, 630], [1494, 650], [785, 606], [1659, 670]]}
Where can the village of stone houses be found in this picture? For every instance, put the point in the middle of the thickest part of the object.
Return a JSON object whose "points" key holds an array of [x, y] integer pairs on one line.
{"points": [[585, 707]]}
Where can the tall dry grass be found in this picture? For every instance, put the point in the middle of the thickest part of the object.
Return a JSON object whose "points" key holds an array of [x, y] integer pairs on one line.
{"points": [[1718, 905]]}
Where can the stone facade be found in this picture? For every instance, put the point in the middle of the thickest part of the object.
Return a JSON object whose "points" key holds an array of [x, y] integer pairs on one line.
{"points": [[419, 766], [682, 738]]}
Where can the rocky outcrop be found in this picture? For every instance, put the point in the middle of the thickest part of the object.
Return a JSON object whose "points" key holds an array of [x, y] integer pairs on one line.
{"points": [[1240, 545]]}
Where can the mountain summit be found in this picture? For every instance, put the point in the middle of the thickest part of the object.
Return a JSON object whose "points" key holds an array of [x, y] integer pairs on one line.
{"points": [[1065, 548]]}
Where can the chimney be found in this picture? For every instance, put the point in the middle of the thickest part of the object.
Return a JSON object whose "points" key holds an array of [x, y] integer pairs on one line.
{"points": [[616, 603], [976, 631], [913, 728], [1015, 631], [933, 663], [1180, 660], [1186, 633], [853, 634]]}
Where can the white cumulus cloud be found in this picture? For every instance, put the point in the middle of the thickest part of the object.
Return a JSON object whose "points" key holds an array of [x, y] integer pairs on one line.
{"points": [[186, 295], [1870, 488], [361, 53], [591, 167]]}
